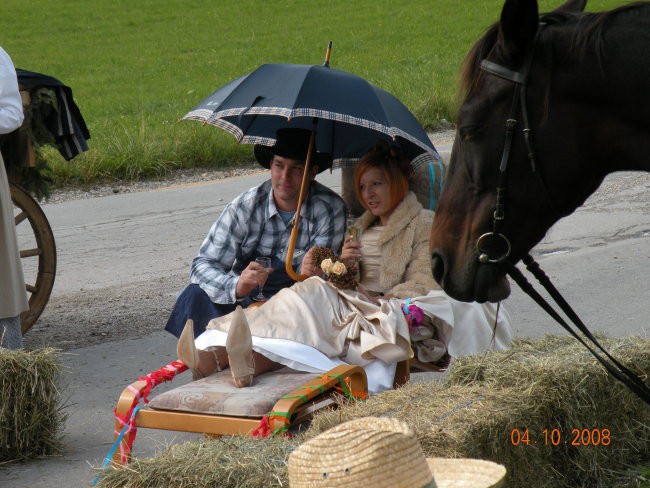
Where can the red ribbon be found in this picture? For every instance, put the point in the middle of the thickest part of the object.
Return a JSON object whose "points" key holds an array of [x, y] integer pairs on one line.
{"points": [[153, 379], [264, 429]]}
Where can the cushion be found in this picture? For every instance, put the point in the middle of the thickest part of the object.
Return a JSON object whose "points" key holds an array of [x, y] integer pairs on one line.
{"points": [[217, 395]]}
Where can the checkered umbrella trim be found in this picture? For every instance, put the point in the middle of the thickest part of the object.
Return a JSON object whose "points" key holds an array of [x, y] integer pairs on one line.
{"points": [[216, 119]]}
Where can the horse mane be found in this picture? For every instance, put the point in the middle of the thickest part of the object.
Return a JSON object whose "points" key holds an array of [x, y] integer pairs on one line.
{"points": [[590, 28]]}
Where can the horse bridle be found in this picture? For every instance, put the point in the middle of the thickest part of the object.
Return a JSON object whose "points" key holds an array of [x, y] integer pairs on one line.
{"points": [[488, 241]]}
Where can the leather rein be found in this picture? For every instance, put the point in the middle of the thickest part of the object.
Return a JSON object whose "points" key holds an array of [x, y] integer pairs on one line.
{"points": [[495, 240]]}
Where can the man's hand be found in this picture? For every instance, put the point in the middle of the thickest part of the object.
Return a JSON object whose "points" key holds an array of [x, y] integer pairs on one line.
{"points": [[253, 276], [309, 265]]}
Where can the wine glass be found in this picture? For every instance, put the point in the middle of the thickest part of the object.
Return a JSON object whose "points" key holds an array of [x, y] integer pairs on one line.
{"points": [[353, 231], [266, 263]]}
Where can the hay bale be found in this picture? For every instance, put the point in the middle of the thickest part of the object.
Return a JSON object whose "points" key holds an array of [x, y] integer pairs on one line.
{"points": [[536, 385], [226, 462], [31, 416], [553, 383]]}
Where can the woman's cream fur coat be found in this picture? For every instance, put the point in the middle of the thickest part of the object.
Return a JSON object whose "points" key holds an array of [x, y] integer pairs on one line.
{"points": [[405, 268]]}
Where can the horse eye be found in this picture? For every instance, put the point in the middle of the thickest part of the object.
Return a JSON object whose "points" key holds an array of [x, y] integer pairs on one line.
{"points": [[467, 131]]}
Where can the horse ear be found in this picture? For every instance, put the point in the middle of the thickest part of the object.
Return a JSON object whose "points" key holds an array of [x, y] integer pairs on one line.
{"points": [[518, 25], [572, 6]]}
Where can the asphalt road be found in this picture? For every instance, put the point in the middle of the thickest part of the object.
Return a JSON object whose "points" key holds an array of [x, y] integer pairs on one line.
{"points": [[122, 259]]}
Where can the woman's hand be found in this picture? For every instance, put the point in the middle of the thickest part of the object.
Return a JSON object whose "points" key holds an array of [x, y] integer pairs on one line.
{"points": [[309, 265], [351, 250]]}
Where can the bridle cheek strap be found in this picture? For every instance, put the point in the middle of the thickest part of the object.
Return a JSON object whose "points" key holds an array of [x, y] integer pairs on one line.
{"points": [[488, 242]]}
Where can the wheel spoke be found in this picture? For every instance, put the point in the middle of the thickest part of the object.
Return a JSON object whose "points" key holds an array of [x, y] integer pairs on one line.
{"points": [[27, 253], [20, 217]]}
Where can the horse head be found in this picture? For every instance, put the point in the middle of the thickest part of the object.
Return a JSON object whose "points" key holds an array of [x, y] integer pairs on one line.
{"points": [[552, 82]]}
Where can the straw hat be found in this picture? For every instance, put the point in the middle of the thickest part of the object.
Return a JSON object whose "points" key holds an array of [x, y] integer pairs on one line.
{"points": [[373, 452]]}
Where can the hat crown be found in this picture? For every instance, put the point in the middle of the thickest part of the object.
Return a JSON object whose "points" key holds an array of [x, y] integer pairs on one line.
{"points": [[375, 452], [291, 143]]}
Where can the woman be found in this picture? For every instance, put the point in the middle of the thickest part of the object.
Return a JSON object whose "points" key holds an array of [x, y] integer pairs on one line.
{"points": [[313, 326]]}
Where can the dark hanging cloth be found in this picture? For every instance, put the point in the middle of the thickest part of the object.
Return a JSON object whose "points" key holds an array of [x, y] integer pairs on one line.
{"points": [[66, 125]]}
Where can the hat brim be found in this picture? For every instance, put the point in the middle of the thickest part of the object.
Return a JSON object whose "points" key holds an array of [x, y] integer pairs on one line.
{"points": [[466, 473], [264, 156]]}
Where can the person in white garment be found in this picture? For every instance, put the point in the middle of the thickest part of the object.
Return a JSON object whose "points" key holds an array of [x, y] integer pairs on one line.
{"points": [[13, 295]]}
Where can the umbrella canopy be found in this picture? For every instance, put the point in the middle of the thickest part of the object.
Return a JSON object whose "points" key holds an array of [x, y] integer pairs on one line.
{"points": [[65, 123], [352, 114]]}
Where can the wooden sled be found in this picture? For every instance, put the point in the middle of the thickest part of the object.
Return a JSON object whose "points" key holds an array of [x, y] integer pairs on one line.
{"points": [[277, 401]]}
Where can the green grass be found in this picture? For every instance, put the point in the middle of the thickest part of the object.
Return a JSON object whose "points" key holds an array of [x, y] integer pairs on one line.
{"points": [[137, 66]]}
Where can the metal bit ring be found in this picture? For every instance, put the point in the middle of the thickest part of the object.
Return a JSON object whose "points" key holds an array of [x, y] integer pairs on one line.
{"points": [[483, 253]]}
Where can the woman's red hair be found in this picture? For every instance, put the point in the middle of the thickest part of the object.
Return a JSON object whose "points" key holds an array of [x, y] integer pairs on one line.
{"points": [[395, 169]]}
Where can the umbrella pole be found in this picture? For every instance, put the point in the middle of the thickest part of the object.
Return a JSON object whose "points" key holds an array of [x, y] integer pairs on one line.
{"points": [[327, 55], [304, 188], [288, 264]]}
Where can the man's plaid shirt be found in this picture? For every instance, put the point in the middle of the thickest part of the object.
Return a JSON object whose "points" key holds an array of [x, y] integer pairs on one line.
{"points": [[250, 226]]}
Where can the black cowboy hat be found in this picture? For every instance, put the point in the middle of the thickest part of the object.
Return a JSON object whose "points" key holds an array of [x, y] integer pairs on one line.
{"points": [[292, 143]]}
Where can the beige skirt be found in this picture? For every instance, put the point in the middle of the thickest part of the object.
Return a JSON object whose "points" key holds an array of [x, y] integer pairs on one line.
{"points": [[313, 327], [339, 323]]}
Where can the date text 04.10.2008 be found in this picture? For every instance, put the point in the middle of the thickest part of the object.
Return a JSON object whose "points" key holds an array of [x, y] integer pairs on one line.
{"points": [[555, 437]]}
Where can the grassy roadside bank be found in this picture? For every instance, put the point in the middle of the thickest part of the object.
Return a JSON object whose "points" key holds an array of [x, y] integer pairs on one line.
{"points": [[136, 67]]}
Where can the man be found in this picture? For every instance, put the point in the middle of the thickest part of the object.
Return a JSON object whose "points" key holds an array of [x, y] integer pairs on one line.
{"points": [[258, 223], [13, 295]]}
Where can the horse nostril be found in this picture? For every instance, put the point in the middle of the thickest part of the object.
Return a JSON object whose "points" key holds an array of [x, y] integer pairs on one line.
{"points": [[438, 267]]}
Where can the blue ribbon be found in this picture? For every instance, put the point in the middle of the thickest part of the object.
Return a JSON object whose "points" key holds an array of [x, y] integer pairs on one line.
{"points": [[116, 444], [405, 307]]}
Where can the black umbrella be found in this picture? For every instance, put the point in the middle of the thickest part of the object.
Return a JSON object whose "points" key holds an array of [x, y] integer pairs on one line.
{"points": [[65, 123], [346, 114], [352, 113]]}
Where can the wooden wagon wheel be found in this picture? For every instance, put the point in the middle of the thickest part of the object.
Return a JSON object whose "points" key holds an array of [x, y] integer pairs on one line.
{"points": [[37, 252]]}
